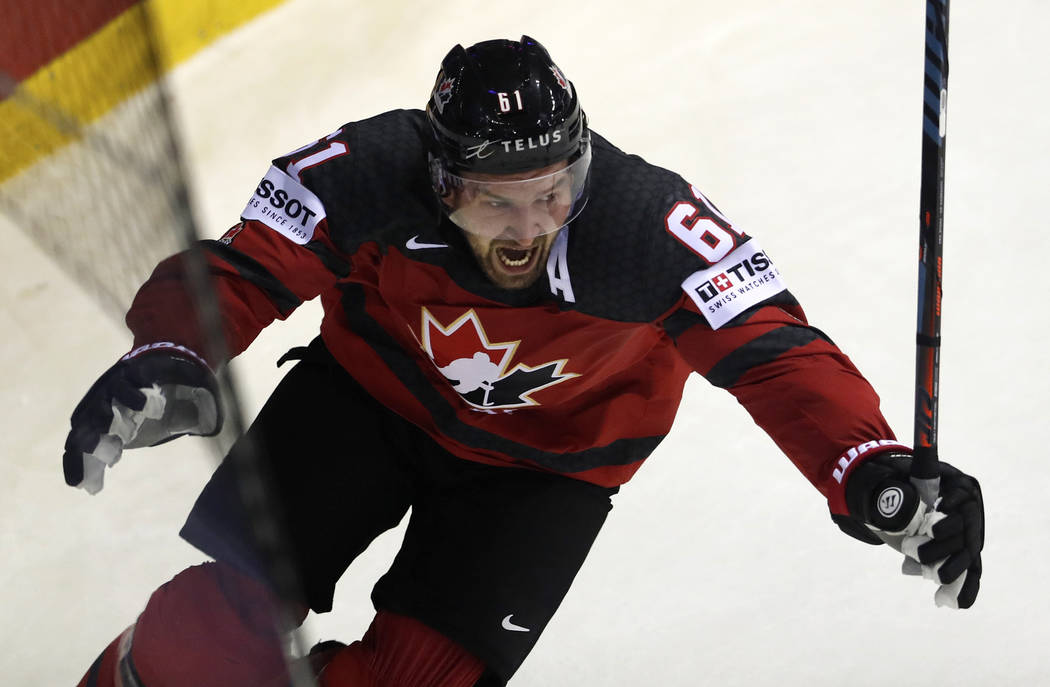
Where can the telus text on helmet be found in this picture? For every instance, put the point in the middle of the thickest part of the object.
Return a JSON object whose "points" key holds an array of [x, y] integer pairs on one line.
{"points": [[482, 150]]}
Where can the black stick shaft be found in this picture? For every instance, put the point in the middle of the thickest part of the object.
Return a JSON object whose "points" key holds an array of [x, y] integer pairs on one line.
{"points": [[931, 235]]}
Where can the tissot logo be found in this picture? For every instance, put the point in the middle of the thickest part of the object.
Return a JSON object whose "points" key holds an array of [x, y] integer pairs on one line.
{"points": [[743, 278], [286, 206], [279, 199], [480, 370], [750, 269]]}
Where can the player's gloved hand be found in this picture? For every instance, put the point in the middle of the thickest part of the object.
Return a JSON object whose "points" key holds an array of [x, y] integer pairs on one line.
{"points": [[153, 394], [943, 543]]}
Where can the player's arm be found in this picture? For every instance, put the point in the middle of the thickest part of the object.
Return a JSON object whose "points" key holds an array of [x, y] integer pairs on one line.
{"points": [[278, 256], [807, 395], [738, 326], [796, 385]]}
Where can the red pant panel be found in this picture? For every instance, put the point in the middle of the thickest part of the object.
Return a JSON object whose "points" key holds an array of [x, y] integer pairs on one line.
{"points": [[210, 626], [398, 651]]}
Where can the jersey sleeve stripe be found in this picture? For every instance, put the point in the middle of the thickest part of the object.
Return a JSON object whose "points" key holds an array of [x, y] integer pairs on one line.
{"points": [[332, 262], [684, 318], [783, 300], [763, 349], [249, 268]]}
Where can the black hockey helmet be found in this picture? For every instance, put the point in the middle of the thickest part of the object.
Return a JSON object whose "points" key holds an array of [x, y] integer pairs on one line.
{"points": [[504, 107]]}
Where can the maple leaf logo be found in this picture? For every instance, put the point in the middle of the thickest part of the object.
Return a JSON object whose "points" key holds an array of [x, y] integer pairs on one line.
{"points": [[443, 92], [560, 78], [478, 368]]}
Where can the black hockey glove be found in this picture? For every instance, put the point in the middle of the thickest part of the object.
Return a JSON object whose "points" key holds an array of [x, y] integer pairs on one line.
{"points": [[153, 394], [942, 544]]}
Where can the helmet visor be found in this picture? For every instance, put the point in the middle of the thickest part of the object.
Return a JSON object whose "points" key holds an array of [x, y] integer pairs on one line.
{"points": [[493, 206]]}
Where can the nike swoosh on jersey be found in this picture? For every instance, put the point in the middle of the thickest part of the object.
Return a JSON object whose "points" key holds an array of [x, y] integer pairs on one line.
{"points": [[413, 244], [508, 625]]}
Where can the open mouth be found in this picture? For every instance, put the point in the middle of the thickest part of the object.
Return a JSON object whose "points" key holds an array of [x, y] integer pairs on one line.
{"points": [[516, 260]]}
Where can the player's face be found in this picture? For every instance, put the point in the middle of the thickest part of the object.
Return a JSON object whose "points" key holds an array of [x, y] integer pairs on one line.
{"points": [[512, 225]]}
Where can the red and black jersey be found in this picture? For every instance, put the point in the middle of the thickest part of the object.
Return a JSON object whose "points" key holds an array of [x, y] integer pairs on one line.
{"points": [[582, 372]]}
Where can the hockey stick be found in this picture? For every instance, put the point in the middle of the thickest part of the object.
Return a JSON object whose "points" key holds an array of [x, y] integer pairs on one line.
{"points": [[931, 234]]}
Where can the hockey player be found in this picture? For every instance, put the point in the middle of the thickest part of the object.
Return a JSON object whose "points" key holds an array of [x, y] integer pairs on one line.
{"points": [[511, 308]]}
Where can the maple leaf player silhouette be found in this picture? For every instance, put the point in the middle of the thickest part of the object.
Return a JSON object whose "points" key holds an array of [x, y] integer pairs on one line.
{"points": [[512, 306], [470, 374]]}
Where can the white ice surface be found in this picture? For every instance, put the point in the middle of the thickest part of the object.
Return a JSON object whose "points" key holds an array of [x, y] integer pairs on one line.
{"points": [[719, 565]]}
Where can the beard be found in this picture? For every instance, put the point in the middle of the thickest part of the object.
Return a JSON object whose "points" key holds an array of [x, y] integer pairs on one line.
{"points": [[507, 263]]}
